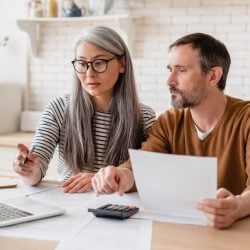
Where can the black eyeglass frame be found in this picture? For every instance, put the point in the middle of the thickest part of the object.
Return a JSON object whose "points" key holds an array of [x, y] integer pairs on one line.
{"points": [[90, 63]]}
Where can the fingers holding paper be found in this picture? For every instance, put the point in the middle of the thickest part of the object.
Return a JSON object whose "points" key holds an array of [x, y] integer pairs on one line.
{"points": [[221, 212]]}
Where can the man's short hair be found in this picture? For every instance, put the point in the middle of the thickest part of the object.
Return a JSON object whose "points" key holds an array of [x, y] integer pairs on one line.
{"points": [[212, 53]]}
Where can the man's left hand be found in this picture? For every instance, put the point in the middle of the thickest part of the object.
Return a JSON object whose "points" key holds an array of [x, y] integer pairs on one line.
{"points": [[223, 211]]}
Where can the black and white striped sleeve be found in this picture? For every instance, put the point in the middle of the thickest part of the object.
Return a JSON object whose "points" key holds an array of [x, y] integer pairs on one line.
{"points": [[48, 131], [149, 117]]}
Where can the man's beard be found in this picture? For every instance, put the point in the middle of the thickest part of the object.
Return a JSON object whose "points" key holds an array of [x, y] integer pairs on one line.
{"points": [[187, 100]]}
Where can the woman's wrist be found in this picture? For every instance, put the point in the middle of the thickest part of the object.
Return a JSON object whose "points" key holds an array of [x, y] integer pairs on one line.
{"points": [[129, 177]]}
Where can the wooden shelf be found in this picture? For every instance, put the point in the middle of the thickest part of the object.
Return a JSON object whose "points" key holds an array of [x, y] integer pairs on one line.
{"points": [[32, 26]]}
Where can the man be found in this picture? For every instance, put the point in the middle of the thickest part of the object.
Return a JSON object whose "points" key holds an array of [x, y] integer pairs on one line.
{"points": [[203, 122]]}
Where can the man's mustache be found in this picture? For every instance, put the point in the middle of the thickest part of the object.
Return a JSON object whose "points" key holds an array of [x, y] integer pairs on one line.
{"points": [[173, 90]]}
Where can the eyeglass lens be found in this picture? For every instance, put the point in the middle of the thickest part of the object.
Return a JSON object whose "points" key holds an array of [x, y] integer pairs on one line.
{"points": [[98, 65]]}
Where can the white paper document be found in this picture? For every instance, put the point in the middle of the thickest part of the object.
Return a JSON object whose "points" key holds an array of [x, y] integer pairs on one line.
{"points": [[170, 186], [109, 234]]}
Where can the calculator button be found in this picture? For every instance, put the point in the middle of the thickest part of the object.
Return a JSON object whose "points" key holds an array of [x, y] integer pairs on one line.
{"points": [[109, 207], [112, 207], [122, 208]]}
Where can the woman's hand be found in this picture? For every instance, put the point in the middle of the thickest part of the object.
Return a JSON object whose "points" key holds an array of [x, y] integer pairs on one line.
{"points": [[112, 179], [78, 183], [223, 211], [27, 165]]}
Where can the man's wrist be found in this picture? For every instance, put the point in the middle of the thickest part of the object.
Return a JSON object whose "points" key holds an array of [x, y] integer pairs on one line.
{"points": [[243, 201]]}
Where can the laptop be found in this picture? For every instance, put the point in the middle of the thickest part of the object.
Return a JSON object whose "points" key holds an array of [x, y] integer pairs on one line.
{"points": [[170, 186], [23, 209]]}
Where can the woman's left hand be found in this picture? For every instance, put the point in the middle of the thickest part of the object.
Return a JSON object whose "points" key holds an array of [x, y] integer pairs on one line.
{"points": [[78, 183]]}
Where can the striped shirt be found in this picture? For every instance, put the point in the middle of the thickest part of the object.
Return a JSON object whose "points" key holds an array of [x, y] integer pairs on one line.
{"points": [[50, 135]]}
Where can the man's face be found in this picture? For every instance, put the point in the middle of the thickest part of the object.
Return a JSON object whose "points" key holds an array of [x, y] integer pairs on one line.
{"points": [[187, 83]]}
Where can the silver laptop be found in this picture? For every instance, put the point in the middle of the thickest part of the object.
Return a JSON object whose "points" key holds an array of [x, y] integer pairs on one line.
{"points": [[172, 185], [24, 209]]}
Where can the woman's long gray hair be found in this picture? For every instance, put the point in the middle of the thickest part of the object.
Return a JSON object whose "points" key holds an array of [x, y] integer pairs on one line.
{"points": [[126, 125]]}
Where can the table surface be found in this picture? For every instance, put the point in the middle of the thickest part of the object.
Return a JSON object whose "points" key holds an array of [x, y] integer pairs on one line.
{"points": [[191, 237], [11, 140], [77, 227]]}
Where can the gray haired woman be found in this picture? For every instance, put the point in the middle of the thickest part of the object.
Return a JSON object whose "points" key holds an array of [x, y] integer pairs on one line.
{"points": [[95, 125]]}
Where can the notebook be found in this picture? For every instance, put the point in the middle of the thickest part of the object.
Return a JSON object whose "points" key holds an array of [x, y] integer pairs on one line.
{"points": [[24, 209], [170, 186]]}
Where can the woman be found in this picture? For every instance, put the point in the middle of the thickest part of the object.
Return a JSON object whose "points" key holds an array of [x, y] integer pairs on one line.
{"points": [[95, 125]]}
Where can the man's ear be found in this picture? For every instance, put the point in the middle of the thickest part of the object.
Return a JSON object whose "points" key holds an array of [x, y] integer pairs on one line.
{"points": [[215, 75]]}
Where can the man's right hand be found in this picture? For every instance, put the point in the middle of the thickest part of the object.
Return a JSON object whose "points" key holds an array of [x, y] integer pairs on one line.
{"points": [[29, 169], [112, 179]]}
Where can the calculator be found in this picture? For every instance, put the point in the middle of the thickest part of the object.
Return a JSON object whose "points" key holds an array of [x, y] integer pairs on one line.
{"points": [[114, 211]]}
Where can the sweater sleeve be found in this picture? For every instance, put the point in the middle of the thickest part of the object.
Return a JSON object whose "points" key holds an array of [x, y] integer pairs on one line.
{"points": [[149, 117], [48, 131], [158, 139], [247, 135]]}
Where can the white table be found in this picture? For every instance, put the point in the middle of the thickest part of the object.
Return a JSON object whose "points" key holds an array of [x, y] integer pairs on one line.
{"points": [[77, 227]]}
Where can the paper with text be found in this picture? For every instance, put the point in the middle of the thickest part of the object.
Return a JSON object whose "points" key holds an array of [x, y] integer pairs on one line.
{"points": [[170, 185]]}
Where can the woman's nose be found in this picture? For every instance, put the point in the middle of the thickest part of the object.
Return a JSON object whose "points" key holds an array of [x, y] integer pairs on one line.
{"points": [[90, 70]]}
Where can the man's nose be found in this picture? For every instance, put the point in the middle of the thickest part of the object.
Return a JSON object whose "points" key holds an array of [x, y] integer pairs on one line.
{"points": [[171, 79]]}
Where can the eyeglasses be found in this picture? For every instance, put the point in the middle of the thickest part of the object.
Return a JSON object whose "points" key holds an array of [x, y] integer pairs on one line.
{"points": [[98, 65]]}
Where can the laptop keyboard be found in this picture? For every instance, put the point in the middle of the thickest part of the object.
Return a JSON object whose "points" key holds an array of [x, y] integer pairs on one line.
{"points": [[9, 213]]}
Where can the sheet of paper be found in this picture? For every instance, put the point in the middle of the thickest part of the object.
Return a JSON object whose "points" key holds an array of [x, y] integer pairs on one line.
{"points": [[7, 193], [172, 185], [118, 234], [54, 228], [23, 189]]}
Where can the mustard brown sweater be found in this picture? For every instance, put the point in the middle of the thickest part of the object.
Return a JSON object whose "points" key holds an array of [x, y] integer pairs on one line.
{"points": [[174, 132]]}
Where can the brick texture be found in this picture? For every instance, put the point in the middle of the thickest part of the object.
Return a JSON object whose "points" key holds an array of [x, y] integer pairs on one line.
{"points": [[161, 23]]}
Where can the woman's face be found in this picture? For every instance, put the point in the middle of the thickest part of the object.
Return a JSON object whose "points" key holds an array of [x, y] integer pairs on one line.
{"points": [[98, 85]]}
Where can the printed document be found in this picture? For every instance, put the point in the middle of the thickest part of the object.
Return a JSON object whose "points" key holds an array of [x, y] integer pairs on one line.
{"points": [[170, 186]]}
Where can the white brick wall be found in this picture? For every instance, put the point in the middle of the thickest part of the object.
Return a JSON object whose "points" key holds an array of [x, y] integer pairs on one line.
{"points": [[163, 22]]}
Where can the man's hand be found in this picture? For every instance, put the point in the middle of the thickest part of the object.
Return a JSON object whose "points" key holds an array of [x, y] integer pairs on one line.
{"points": [[78, 183], [28, 168], [223, 211], [112, 179]]}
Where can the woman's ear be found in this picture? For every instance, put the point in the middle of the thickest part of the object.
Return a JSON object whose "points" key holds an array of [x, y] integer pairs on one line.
{"points": [[122, 65]]}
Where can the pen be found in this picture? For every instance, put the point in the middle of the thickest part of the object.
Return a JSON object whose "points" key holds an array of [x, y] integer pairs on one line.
{"points": [[26, 158], [45, 190]]}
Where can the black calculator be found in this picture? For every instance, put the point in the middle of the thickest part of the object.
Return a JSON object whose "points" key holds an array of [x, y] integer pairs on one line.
{"points": [[114, 211]]}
